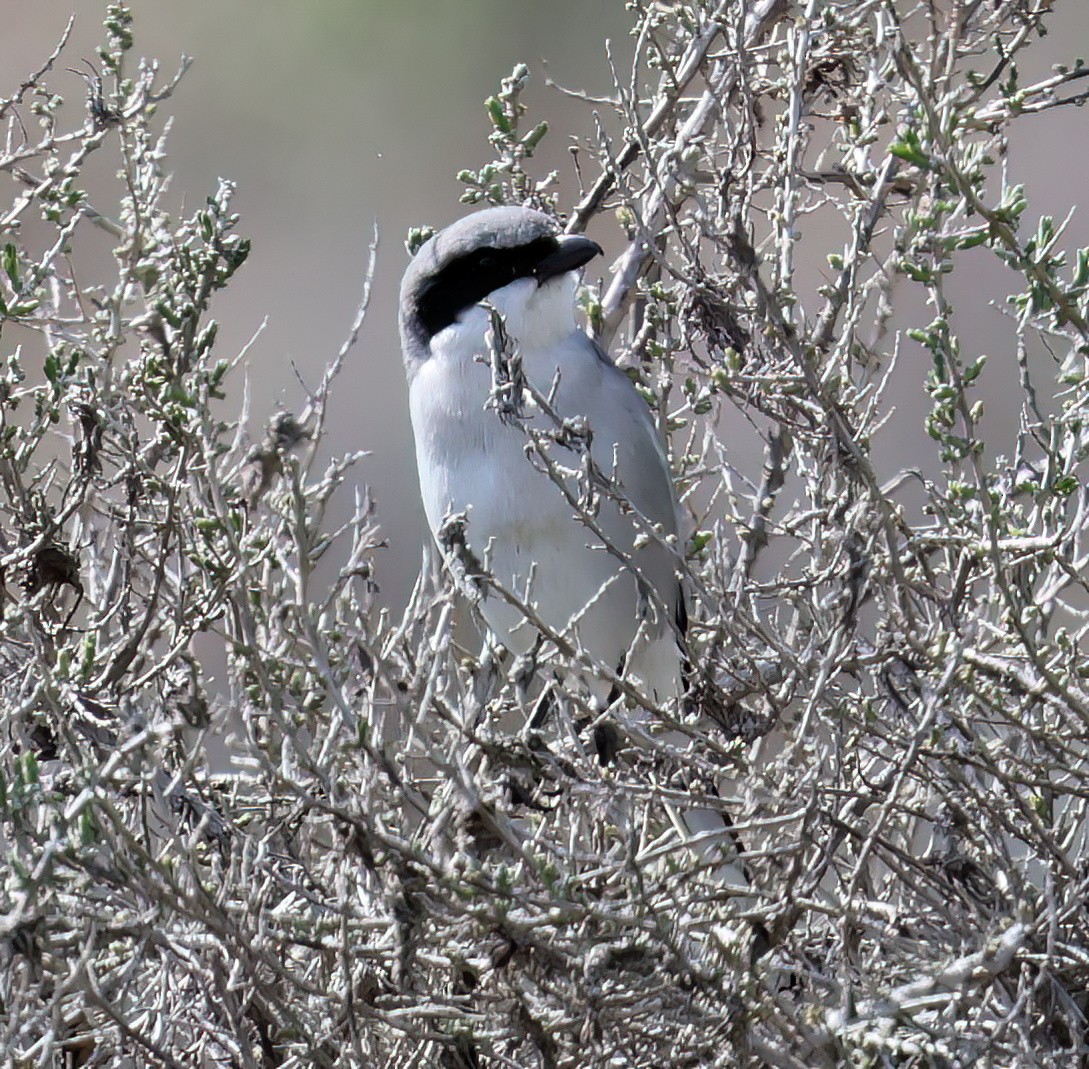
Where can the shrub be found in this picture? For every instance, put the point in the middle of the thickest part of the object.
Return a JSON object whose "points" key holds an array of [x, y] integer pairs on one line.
{"points": [[889, 679]]}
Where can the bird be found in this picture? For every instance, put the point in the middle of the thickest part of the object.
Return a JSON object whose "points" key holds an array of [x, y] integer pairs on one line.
{"points": [[607, 584], [610, 587]]}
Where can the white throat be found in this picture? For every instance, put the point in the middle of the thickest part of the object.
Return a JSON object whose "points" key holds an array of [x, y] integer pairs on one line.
{"points": [[536, 317]]}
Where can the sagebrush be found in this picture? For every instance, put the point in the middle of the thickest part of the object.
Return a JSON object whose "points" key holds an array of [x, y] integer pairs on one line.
{"points": [[889, 684]]}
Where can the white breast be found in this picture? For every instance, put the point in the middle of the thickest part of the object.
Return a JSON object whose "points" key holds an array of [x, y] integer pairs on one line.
{"points": [[519, 522]]}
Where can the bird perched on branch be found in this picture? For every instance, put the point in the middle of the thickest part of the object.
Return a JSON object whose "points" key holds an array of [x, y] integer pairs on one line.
{"points": [[541, 468], [566, 497]]}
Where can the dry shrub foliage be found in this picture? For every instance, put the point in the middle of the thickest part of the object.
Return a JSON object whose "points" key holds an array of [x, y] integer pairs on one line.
{"points": [[889, 667]]}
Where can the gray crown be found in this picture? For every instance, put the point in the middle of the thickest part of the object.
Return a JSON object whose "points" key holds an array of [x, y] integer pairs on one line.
{"points": [[497, 228]]}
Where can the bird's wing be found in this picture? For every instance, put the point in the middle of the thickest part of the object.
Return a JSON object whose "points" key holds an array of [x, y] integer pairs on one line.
{"points": [[643, 472]]}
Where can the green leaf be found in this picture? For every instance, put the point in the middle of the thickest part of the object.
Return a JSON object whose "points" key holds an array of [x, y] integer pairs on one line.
{"points": [[534, 137], [11, 264], [88, 833], [910, 152], [971, 238], [1081, 271], [416, 237], [497, 115], [972, 372], [699, 541], [916, 272], [30, 768]]}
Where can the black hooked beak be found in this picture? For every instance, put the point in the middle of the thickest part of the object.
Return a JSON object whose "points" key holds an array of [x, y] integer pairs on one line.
{"points": [[572, 252]]}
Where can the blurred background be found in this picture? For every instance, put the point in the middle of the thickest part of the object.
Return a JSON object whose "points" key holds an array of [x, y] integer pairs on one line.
{"points": [[335, 115]]}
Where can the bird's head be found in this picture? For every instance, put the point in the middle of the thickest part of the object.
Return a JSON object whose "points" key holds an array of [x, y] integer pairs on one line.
{"points": [[515, 259]]}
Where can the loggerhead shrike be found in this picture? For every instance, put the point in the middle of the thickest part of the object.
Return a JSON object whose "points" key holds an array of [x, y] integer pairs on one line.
{"points": [[625, 609], [512, 261]]}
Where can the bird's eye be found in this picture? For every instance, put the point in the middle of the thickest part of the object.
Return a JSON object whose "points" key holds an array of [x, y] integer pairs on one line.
{"points": [[488, 263]]}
